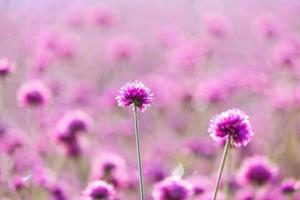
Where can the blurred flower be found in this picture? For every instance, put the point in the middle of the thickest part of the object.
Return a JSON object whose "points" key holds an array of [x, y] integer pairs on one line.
{"points": [[104, 17], [135, 94], [290, 186], [172, 189], [257, 171], [266, 26], [217, 25], [232, 123], [122, 48], [72, 123], [6, 67], [155, 171], [99, 190], [110, 168], [202, 147], [244, 195], [33, 94], [76, 16], [285, 54], [170, 37], [18, 183], [72, 148], [185, 55], [57, 193]]}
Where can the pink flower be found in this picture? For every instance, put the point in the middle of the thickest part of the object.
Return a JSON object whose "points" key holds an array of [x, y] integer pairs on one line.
{"points": [[217, 25], [122, 48], [33, 94]]}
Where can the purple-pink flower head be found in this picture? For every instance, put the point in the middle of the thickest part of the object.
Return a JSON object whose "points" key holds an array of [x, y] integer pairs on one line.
{"points": [[257, 171], [290, 186], [71, 123], [122, 49], [33, 94], [172, 189], [99, 190], [135, 94], [232, 123], [266, 26], [104, 17], [217, 25], [6, 67], [110, 168]]}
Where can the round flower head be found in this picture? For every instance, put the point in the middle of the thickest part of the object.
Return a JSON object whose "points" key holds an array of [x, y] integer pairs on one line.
{"points": [[257, 171], [217, 25], [110, 168], [72, 123], [234, 124], [33, 94], [99, 190], [122, 49], [290, 186], [57, 193], [135, 94], [172, 189], [104, 17], [6, 67]]}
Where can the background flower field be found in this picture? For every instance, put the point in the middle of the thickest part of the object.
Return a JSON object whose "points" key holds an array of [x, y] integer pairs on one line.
{"points": [[198, 57]]}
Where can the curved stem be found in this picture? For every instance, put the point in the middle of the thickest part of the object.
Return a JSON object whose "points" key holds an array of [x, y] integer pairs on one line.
{"points": [[225, 152], [138, 150]]}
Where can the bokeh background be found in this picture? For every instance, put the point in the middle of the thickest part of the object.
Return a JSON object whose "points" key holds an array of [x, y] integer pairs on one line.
{"points": [[199, 57]]}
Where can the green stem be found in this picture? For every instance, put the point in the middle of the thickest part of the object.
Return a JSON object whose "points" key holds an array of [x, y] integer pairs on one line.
{"points": [[138, 150], [225, 152]]}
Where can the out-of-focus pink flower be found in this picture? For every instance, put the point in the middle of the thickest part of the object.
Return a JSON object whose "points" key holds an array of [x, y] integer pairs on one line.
{"points": [[285, 54], [217, 25], [172, 189], [104, 17], [211, 91], [290, 186], [6, 67], [266, 26], [99, 190], [170, 37], [122, 48], [76, 17], [110, 168], [41, 60], [186, 55], [33, 94], [257, 170], [71, 124]]}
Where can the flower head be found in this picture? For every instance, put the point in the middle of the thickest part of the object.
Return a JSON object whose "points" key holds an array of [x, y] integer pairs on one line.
{"points": [[110, 168], [257, 170], [234, 124], [6, 67], [104, 17], [34, 94], [290, 186], [135, 94], [73, 122], [99, 190], [172, 189]]}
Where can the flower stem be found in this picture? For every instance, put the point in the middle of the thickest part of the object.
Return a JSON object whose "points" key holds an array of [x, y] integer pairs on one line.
{"points": [[225, 152], [229, 174], [138, 150]]}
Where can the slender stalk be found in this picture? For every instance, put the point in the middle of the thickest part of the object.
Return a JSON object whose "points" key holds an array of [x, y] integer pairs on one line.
{"points": [[229, 174], [225, 152], [138, 150]]}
